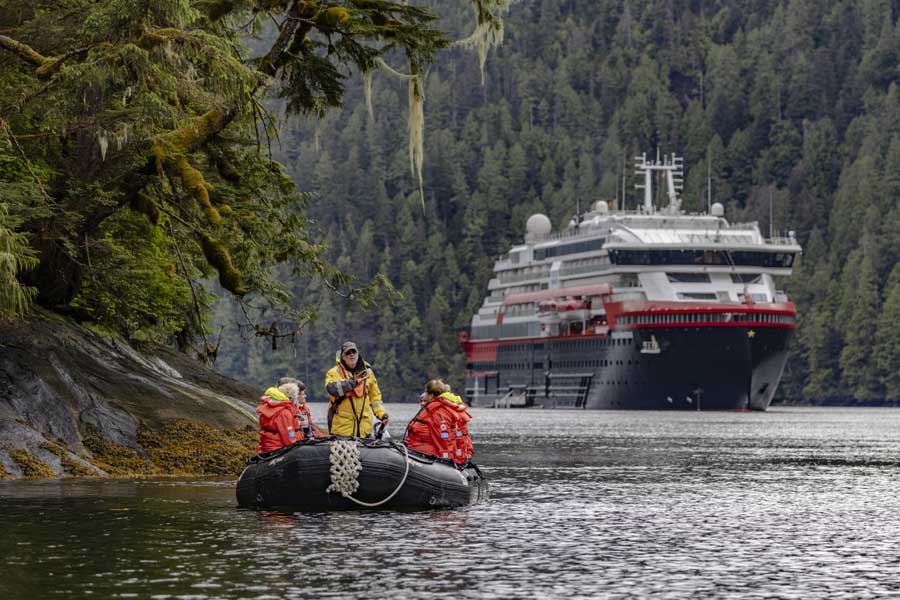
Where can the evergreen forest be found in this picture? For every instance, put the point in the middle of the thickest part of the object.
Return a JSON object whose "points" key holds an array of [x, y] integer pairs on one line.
{"points": [[237, 192]]}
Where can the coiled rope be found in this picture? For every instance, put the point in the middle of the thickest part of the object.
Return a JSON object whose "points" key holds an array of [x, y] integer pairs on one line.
{"points": [[345, 469]]}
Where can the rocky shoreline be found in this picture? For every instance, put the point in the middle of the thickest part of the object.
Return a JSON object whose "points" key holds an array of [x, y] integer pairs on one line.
{"points": [[75, 403]]}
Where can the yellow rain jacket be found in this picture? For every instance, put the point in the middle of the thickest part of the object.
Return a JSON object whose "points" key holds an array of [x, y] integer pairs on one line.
{"points": [[350, 407]]}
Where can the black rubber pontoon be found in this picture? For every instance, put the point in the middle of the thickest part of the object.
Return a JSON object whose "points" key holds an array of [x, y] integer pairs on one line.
{"points": [[297, 478]]}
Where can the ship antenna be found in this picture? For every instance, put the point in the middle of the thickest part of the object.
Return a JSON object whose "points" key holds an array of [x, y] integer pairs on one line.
{"points": [[708, 183], [771, 216], [642, 167]]}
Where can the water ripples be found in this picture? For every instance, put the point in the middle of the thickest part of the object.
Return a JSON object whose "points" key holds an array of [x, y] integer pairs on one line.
{"points": [[788, 504]]}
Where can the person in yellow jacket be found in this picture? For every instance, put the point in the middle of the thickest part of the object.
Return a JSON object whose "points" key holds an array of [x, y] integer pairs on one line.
{"points": [[354, 395]]}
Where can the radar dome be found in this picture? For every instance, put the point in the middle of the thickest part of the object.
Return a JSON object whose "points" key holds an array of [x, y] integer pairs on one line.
{"points": [[717, 210], [601, 207], [538, 225]]}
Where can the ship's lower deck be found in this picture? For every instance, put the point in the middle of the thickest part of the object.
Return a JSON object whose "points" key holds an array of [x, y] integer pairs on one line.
{"points": [[654, 368]]}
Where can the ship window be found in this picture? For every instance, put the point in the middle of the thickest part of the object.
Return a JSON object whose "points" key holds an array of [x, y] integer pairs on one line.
{"points": [[740, 258], [746, 277], [552, 251], [688, 277]]}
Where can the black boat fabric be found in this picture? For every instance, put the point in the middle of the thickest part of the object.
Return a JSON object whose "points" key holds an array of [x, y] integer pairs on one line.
{"points": [[391, 477]]}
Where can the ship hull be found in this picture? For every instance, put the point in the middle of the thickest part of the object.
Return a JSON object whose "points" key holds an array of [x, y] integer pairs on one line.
{"points": [[652, 368]]}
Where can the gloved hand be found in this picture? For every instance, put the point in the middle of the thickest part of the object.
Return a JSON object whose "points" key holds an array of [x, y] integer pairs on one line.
{"points": [[384, 419]]}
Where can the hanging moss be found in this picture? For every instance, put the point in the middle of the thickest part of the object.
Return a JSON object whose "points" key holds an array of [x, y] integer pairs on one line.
{"points": [[70, 466], [217, 256], [196, 185], [32, 467]]}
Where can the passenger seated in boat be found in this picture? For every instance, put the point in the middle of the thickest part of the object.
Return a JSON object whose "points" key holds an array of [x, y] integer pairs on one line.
{"points": [[308, 429], [354, 394], [278, 422], [441, 427]]}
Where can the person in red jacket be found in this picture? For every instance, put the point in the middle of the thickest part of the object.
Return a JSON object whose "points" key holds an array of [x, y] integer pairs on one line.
{"points": [[441, 427], [308, 429], [278, 422]]}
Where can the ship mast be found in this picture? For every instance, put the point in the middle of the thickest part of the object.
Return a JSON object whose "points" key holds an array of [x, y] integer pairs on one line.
{"points": [[673, 168]]}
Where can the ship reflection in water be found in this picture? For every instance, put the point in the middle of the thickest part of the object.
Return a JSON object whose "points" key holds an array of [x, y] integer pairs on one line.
{"points": [[585, 504]]}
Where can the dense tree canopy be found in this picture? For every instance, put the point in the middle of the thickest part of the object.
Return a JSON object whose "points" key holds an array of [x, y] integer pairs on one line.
{"points": [[792, 102], [134, 148]]}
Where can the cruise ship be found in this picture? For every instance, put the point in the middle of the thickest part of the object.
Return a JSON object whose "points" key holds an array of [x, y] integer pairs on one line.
{"points": [[651, 308]]}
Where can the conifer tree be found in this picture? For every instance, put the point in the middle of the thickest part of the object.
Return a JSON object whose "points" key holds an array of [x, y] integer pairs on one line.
{"points": [[887, 342]]}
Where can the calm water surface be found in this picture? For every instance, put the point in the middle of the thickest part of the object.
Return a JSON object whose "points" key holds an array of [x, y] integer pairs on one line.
{"points": [[791, 503]]}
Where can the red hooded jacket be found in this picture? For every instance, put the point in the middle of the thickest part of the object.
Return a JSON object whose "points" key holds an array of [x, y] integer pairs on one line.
{"points": [[441, 429], [278, 422]]}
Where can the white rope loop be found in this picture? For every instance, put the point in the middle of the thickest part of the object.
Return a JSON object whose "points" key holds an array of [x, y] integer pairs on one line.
{"points": [[345, 469]]}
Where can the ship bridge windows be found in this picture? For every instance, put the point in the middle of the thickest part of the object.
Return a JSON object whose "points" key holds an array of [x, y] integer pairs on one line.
{"points": [[697, 296], [739, 258], [688, 277], [572, 248], [746, 278]]}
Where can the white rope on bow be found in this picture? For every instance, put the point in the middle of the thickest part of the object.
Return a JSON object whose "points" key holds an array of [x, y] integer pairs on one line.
{"points": [[345, 469]]}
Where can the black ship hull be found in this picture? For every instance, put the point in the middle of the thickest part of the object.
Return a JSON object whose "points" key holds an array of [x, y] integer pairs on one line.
{"points": [[649, 368]]}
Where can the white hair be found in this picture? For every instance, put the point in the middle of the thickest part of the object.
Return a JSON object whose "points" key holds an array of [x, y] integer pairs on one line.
{"points": [[291, 390]]}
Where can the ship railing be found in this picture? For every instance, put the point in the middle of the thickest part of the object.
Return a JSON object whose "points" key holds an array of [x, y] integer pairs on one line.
{"points": [[518, 277]]}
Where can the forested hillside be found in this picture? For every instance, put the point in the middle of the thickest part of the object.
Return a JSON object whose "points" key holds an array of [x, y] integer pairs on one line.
{"points": [[794, 103], [135, 165]]}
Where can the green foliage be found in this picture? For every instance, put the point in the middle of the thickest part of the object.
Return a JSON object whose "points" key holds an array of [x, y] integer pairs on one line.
{"points": [[15, 256], [135, 151], [135, 290]]}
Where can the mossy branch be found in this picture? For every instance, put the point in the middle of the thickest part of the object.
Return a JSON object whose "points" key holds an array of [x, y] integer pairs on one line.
{"points": [[194, 182], [297, 24], [46, 65], [25, 52], [217, 255]]}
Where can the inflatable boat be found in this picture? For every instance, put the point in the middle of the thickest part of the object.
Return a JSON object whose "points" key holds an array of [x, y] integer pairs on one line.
{"points": [[356, 473]]}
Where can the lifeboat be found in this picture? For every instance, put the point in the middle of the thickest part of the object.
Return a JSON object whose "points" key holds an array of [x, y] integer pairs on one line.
{"points": [[356, 474]]}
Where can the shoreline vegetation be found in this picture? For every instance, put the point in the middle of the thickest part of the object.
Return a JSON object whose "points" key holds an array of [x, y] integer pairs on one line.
{"points": [[74, 403], [183, 448]]}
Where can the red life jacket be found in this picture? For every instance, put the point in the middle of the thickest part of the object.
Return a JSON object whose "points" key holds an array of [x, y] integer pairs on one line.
{"points": [[278, 425], [308, 429], [441, 429], [465, 450]]}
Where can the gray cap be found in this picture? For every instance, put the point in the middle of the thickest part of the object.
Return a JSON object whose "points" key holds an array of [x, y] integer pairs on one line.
{"points": [[348, 346]]}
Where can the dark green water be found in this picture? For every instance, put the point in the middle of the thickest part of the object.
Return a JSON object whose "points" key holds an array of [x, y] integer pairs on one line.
{"points": [[792, 503]]}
